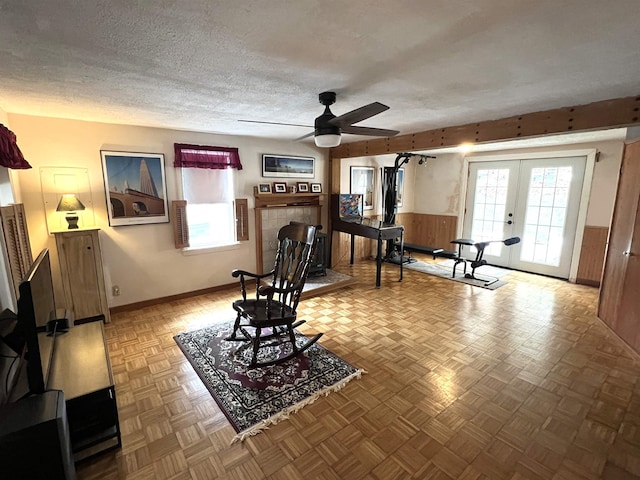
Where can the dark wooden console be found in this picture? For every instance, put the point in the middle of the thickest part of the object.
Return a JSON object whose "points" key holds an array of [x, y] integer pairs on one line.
{"points": [[77, 362]]}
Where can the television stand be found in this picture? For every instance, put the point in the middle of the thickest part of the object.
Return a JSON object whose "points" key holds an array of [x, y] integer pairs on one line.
{"points": [[79, 366]]}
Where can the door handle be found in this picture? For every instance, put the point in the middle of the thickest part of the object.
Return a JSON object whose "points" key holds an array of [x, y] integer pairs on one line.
{"points": [[509, 222], [628, 253]]}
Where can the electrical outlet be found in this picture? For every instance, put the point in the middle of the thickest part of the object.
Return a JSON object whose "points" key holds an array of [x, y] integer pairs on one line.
{"points": [[115, 290]]}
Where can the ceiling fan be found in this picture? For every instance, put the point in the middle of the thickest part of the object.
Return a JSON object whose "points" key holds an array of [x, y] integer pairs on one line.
{"points": [[328, 127]]}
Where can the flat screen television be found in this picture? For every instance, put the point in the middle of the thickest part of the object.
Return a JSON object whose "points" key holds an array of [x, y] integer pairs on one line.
{"points": [[36, 307]]}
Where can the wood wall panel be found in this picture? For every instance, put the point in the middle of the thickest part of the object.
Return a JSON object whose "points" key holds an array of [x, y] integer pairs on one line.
{"points": [[594, 246], [431, 230], [615, 113], [341, 248]]}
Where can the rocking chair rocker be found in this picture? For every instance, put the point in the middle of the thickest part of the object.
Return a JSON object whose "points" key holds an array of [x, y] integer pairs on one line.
{"points": [[267, 322]]}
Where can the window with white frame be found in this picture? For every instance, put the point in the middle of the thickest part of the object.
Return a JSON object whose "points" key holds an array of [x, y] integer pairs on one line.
{"points": [[207, 175]]}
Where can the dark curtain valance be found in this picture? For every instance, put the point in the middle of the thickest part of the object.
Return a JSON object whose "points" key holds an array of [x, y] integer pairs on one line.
{"points": [[10, 154], [204, 156]]}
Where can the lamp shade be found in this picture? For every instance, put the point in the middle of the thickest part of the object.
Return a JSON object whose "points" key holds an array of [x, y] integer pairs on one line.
{"points": [[69, 203], [327, 141]]}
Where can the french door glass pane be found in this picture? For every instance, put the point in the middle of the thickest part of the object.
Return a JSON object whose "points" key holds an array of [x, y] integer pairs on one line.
{"points": [[489, 207], [546, 217]]}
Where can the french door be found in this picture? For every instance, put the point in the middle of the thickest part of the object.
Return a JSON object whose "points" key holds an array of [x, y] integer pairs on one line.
{"points": [[537, 200]]}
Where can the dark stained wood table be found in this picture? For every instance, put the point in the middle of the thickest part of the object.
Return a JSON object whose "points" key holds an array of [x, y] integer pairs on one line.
{"points": [[370, 228]]}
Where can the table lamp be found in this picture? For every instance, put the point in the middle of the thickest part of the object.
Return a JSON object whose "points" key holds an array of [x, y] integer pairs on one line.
{"points": [[70, 204]]}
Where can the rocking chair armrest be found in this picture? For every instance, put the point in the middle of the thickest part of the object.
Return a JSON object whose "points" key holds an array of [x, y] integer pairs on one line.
{"points": [[243, 273], [270, 290]]}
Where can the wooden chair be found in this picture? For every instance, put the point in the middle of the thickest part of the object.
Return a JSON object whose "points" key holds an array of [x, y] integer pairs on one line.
{"points": [[267, 321]]}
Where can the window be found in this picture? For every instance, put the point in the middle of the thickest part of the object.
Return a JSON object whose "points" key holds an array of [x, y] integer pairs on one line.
{"points": [[208, 181]]}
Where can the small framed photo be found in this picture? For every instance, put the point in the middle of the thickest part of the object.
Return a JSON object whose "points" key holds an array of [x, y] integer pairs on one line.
{"points": [[303, 187], [316, 188], [264, 188], [279, 187]]}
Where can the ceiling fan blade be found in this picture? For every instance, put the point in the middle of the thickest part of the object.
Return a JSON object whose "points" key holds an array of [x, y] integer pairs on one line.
{"points": [[277, 123], [359, 114], [374, 132], [305, 136]]}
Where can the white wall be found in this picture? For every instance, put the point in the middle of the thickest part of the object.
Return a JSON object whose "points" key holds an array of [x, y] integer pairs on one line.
{"points": [[379, 161], [141, 259], [441, 182]]}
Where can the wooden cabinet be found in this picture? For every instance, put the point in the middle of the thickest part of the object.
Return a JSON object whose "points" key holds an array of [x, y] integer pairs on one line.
{"points": [[619, 305], [82, 274]]}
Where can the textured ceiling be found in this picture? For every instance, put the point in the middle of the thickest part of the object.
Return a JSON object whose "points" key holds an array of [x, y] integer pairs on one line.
{"points": [[203, 65]]}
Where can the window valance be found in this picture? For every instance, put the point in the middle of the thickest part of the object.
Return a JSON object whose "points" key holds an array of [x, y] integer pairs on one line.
{"points": [[204, 156], [10, 154]]}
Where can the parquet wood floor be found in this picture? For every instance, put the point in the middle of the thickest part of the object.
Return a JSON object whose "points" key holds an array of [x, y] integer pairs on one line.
{"points": [[523, 382]]}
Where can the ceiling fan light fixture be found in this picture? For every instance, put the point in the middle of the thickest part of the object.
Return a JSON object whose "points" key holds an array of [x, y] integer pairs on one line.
{"points": [[327, 140]]}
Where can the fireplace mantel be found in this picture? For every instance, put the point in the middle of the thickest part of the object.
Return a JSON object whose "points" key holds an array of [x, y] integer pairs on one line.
{"points": [[264, 203], [275, 200]]}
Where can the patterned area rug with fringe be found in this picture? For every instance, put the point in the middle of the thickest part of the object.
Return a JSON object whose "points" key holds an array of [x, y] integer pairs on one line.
{"points": [[253, 399]]}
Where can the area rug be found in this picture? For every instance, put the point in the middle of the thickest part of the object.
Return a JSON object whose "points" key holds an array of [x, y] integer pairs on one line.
{"points": [[489, 277], [253, 399]]}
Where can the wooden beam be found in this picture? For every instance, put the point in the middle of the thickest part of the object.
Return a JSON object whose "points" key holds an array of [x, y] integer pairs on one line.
{"points": [[616, 113]]}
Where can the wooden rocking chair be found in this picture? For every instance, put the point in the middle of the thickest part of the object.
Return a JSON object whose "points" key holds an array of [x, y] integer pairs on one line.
{"points": [[269, 319]]}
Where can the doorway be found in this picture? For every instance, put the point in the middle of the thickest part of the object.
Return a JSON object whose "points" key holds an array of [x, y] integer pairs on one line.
{"points": [[536, 199]]}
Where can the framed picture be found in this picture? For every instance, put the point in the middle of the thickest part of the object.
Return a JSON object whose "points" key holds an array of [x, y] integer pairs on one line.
{"points": [[279, 187], [136, 188], [303, 187], [400, 186], [287, 167], [264, 188], [362, 183], [316, 188]]}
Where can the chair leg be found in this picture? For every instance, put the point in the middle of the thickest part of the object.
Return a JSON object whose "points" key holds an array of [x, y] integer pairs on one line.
{"points": [[236, 325], [292, 338], [256, 346]]}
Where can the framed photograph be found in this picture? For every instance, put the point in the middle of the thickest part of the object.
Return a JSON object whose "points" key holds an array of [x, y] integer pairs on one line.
{"points": [[303, 187], [316, 188], [400, 186], [287, 167], [136, 188], [264, 188], [279, 187], [362, 183]]}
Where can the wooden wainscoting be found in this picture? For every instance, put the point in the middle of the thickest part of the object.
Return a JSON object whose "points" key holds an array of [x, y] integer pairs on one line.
{"points": [[594, 245], [430, 230]]}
